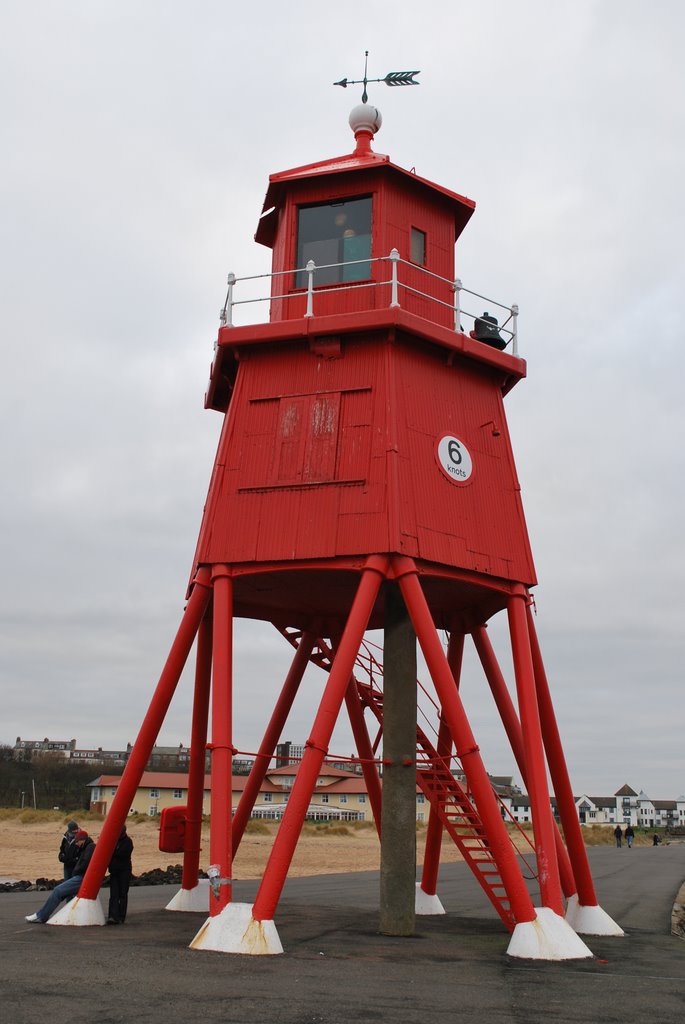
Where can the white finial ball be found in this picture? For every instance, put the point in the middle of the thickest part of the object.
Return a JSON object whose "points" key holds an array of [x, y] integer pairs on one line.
{"points": [[365, 118]]}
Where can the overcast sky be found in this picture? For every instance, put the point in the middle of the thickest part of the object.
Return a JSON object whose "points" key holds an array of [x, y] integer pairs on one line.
{"points": [[137, 143]]}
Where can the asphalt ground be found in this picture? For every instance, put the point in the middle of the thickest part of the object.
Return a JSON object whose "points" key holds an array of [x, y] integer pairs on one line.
{"points": [[337, 968]]}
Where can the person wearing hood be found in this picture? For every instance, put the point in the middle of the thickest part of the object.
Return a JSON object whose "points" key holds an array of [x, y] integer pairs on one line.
{"points": [[68, 854], [69, 887], [120, 871]]}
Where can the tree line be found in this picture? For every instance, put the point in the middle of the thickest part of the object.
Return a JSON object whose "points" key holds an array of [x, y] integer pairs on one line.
{"points": [[58, 782]]}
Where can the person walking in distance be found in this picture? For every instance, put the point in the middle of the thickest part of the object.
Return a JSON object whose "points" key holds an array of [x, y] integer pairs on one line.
{"points": [[68, 854], [630, 835], [70, 886], [120, 871], [617, 836]]}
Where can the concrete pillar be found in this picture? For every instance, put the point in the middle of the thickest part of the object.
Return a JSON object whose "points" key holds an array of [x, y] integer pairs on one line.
{"points": [[398, 817]]}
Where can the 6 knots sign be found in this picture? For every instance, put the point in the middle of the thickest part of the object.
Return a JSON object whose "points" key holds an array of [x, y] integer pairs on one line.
{"points": [[454, 459]]}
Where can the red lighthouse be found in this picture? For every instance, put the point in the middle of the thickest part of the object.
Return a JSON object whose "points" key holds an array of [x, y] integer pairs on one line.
{"points": [[364, 475]]}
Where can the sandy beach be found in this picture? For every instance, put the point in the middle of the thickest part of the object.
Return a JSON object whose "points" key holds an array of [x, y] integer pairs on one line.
{"points": [[29, 851], [29, 842]]}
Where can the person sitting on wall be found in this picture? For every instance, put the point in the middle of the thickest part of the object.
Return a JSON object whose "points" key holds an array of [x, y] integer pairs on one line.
{"points": [[486, 329], [70, 886]]}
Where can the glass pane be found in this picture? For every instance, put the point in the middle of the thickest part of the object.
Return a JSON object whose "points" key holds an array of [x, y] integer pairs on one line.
{"points": [[334, 233], [418, 247]]}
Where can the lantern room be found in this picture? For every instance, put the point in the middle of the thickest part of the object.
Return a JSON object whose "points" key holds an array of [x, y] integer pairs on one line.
{"points": [[343, 218]]}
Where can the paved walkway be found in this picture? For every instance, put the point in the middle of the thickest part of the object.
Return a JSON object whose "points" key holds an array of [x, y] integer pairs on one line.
{"points": [[337, 969]]}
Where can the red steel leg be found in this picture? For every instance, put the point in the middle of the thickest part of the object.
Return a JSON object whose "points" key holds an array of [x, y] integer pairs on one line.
{"points": [[198, 744], [560, 778], [355, 710], [543, 823], [467, 749], [149, 730], [512, 727], [222, 735], [317, 744], [271, 736], [431, 857]]}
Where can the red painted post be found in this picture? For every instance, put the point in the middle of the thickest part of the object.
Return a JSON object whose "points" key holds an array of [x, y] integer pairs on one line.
{"points": [[543, 822], [587, 896], [317, 745], [431, 856], [198, 744], [149, 730], [222, 736], [512, 727], [455, 655], [467, 749], [355, 711], [271, 736]]}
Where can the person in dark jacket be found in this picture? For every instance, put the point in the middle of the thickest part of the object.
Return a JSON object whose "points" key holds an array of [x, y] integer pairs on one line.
{"points": [[617, 836], [120, 871], [68, 854], [630, 835], [70, 886]]}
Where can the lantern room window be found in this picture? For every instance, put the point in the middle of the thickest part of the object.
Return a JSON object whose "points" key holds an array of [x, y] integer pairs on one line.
{"points": [[336, 236]]}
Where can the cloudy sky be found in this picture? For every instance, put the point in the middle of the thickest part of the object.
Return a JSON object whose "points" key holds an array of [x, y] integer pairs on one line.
{"points": [[137, 143]]}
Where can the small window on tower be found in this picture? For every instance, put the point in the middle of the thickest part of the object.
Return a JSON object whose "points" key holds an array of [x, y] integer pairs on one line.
{"points": [[418, 247], [336, 236]]}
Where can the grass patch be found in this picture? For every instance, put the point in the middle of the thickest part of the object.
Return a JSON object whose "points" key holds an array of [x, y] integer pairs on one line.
{"points": [[30, 817], [257, 828], [328, 830]]}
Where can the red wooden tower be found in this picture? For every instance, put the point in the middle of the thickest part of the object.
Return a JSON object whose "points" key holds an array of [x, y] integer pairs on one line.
{"points": [[365, 466]]}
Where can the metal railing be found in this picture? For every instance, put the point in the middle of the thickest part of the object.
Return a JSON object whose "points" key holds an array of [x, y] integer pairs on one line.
{"points": [[396, 286]]}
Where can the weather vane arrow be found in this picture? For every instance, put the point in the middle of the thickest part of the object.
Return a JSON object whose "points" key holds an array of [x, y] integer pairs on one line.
{"points": [[393, 78]]}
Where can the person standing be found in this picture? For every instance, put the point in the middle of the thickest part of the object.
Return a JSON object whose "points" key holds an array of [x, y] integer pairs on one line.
{"points": [[67, 855], [70, 886], [617, 836], [630, 835], [120, 871]]}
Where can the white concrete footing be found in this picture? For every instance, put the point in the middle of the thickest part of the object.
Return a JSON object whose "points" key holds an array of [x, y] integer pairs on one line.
{"points": [[234, 930], [79, 912], [548, 937], [427, 905], [191, 900], [590, 920]]}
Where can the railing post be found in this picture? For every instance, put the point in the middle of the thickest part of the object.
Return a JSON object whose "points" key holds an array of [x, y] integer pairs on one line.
{"points": [[394, 259], [226, 317], [514, 330], [311, 267], [457, 304]]}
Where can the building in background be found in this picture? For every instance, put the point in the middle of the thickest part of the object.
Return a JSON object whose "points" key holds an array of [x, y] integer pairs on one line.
{"points": [[339, 794], [342, 795], [26, 750], [626, 807]]}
